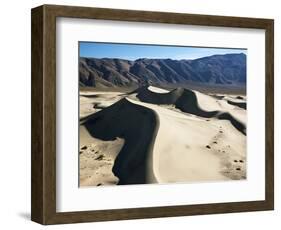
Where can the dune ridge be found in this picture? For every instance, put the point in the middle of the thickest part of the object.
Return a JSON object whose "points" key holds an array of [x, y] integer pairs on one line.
{"points": [[136, 124], [187, 101], [153, 135], [242, 105], [187, 148]]}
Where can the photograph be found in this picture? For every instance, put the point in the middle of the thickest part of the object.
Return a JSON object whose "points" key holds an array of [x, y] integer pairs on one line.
{"points": [[160, 114], [173, 108]]}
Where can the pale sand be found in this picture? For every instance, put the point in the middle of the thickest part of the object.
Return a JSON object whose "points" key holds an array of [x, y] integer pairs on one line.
{"points": [[187, 147], [180, 153], [210, 104], [92, 102], [96, 159], [157, 90]]}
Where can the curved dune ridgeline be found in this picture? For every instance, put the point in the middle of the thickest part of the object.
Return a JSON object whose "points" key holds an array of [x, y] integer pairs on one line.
{"points": [[138, 126], [187, 101], [152, 135], [242, 105]]}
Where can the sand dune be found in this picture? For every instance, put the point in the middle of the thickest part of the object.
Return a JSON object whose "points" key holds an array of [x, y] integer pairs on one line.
{"points": [[157, 136], [242, 105], [157, 90], [91, 103], [180, 150], [196, 103], [135, 124]]}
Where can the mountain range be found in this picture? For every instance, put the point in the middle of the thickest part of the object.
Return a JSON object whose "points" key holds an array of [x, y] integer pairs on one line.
{"points": [[227, 69]]}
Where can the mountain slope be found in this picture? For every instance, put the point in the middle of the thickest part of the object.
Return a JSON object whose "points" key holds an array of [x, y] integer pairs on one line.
{"points": [[228, 69]]}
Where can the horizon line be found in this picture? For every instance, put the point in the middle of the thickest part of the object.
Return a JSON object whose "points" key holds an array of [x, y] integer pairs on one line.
{"points": [[155, 58]]}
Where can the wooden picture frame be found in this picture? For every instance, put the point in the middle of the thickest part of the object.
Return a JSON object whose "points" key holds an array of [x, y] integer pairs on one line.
{"points": [[43, 205]]}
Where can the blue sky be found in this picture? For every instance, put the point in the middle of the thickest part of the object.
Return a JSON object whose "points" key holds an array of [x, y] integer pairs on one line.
{"points": [[133, 52]]}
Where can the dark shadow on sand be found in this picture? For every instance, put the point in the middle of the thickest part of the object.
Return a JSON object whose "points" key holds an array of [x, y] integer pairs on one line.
{"points": [[242, 105], [90, 95], [186, 101], [134, 123]]}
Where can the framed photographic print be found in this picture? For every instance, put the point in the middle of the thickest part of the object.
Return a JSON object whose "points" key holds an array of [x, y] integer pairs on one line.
{"points": [[141, 114]]}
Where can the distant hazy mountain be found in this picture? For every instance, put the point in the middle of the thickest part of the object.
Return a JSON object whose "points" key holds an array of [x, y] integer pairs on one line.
{"points": [[228, 69]]}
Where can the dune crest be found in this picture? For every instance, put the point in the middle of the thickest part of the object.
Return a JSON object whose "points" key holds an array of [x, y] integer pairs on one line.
{"points": [[135, 124], [157, 136], [189, 149], [193, 102]]}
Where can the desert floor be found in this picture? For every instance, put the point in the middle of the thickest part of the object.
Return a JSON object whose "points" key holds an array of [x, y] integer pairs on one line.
{"points": [[152, 135]]}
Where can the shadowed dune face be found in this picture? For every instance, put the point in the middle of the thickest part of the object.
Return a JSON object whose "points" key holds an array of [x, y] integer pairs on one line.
{"points": [[242, 105], [145, 95], [153, 135], [186, 100], [138, 126], [237, 124]]}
